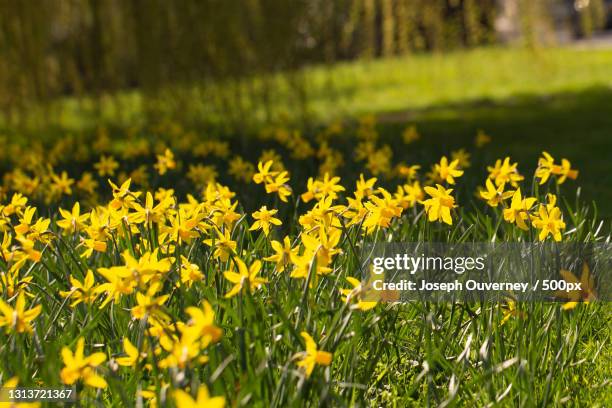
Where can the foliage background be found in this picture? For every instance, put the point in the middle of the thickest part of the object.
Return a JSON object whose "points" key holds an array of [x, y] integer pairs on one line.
{"points": [[237, 55]]}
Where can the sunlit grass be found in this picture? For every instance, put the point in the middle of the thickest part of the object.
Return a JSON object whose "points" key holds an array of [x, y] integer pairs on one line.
{"points": [[270, 330]]}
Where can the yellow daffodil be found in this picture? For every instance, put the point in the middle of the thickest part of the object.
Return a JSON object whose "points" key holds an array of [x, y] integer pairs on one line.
{"points": [[81, 291], [203, 399], [133, 356], [148, 305], [165, 162], [106, 166], [381, 211], [410, 134], [505, 173], [312, 356], [364, 188], [379, 161], [25, 221], [87, 183], [182, 351], [510, 310], [364, 150], [271, 154], [16, 205], [201, 175], [264, 175], [448, 171], [72, 221], [439, 205], [321, 249], [409, 172], [244, 278], [462, 157], [122, 196], [279, 186], [62, 183], [184, 225], [27, 246], [92, 245], [263, 219], [241, 169], [321, 189], [202, 324], [190, 272], [11, 283], [77, 366], [223, 244], [414, 193], [283, 254], [482, 139], [150, 213], [35, 231], [354, 295], [119, 283], [18, 319], [585, 294], [299, 147], [549, 221], [565, 171], [545, 167], [518, 212], [494, 195]]}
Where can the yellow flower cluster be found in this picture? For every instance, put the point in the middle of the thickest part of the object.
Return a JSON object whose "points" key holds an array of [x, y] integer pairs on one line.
{"points": [[141, 250], [525, 211]]}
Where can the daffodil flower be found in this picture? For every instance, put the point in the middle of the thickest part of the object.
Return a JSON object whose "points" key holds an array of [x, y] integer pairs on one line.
{"points": [[245, 277], [264, 175], [518, 212], [18, 319], [494, 195], [312, 356], [263, 219], [81, 291], [585, 294], [72, 221], [354, 294], [77, 366], [439, 205], [203, 399], [505, 173], [448, 171], [284, 254], [549, 221]]}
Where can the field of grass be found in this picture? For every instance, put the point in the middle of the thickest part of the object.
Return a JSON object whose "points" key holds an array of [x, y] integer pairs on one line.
{"points": [[482, 75], [557, 99], [528, 100], [148, 265]]}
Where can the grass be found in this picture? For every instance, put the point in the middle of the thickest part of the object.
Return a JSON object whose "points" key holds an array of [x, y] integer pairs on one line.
{"points": [[486, 75], [414, 354], [574, 125], [396, 354], [551, 99], [555, 99]]}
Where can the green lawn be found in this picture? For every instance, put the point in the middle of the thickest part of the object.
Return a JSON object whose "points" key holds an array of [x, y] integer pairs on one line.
{"points": [[576, 125], [559, 100], [422, 353], [485, 75]]}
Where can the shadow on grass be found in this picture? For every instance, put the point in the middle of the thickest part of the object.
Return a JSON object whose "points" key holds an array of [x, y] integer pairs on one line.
{"points": [[575, 125]]}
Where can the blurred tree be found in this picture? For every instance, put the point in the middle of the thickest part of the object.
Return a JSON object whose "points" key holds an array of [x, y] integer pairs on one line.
{"points": [[221, 61]]}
